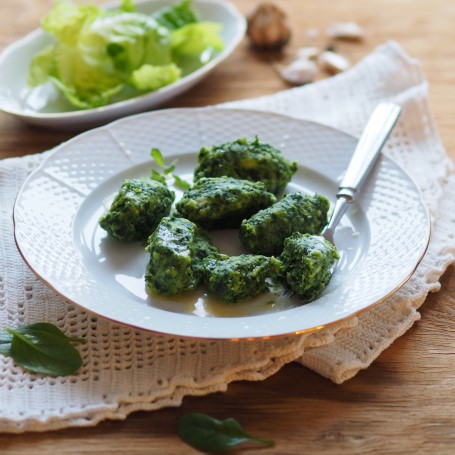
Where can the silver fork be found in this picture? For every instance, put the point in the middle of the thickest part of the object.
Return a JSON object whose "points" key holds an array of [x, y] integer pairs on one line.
{"points": [[366, 153]]}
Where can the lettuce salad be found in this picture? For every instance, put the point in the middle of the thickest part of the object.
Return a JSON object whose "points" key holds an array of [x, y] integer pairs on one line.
{"points": [[103, 56]]}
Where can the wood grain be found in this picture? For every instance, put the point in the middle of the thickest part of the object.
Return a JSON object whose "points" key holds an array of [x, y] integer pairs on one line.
{"points": [[405, 402]]}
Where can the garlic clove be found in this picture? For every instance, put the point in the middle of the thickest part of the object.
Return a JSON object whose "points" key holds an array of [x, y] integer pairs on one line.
{"points": [[346, 30], [308, 52], [299, 72], [268, 27], [332, 62]]}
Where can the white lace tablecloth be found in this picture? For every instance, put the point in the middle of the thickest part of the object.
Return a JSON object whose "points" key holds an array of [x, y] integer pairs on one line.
{"points": [[126, 370]]}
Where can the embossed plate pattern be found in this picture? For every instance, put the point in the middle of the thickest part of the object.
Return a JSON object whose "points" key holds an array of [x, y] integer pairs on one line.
{"points": [[381, 239]]}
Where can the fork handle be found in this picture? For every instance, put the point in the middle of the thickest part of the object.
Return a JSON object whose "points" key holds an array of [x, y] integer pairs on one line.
{"points": [[365, 155], [368, 149]]}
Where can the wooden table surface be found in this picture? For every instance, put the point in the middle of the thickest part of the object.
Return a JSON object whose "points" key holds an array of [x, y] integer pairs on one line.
{"points": [[403, 403]]}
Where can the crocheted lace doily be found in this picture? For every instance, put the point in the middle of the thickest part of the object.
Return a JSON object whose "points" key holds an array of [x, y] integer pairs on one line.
{"points": [[127, 370]]}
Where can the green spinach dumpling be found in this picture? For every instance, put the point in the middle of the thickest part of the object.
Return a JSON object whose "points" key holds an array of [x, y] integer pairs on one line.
{"points": [[247, 160], [177, 248], [307, 264], [236, 278], [137, 209], [223, 202], [265, 232]]}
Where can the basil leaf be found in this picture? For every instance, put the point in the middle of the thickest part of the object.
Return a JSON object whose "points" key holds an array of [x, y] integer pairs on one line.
{"points": [[157, 156], [5, 343], [43, 328], [42, 348], [181, 183], [212, 435]]}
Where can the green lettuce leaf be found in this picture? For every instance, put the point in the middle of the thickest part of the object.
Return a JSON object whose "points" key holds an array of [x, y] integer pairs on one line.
{"points": [[128, 6], [66, 20], [41, 67], [87, 99], [123, 42], [149, 77], [174, 17], [102, 56], [193, 39]]}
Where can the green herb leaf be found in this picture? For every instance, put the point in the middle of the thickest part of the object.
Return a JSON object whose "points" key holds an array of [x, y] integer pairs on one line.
{"points": [[42, 348], [183, 184], [157, 156], [212, 435], [5, 343], [170, 168], [158, 177], [43, 328]]}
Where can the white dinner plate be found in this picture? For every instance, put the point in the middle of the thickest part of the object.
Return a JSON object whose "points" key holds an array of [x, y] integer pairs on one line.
{"points": [[381, 239], [45, 106]]}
